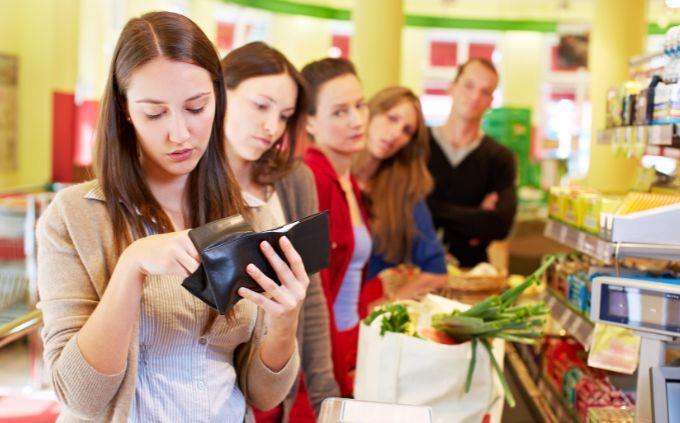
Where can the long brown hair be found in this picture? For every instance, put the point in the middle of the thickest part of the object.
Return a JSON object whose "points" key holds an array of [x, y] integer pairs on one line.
{"points": [[212, 189], [258, 59], [399, 183]]}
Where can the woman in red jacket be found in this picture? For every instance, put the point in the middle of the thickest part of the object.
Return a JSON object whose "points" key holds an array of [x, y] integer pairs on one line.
{"points": [[337, 117]]}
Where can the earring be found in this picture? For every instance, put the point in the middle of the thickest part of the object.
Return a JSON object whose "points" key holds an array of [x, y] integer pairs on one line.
{"points": [[129, 119]]}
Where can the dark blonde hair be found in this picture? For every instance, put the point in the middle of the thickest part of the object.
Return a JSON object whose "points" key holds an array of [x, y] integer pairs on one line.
{"points": [[212, 189], [258, 59], [399, 183]]}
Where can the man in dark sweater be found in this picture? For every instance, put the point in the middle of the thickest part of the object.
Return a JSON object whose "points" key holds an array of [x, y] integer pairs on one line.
{"points": [[474, 198]]}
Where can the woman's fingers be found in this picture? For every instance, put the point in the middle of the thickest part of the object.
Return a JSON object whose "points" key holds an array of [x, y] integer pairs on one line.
{"points": [[188, 263], [279, 293], [282, 270], [294, 260], [265, 303]]}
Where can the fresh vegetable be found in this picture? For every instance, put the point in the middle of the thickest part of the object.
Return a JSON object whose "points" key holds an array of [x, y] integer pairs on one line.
{"points": [[434, 335], [496, 317], [395, 319]]}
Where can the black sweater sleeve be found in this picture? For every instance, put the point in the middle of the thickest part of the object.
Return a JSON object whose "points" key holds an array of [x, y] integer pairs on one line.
{"points": [[473, 222]]}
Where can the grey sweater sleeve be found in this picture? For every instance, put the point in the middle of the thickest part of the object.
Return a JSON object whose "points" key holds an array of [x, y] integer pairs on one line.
{"points": [[317, 364]]}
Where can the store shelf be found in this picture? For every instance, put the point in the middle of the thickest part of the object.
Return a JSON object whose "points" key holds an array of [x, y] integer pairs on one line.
{"points": [[528, 360], [572, 320], [534, 395], [607, 251], [557, 402], [667, 135], [580, 241]]}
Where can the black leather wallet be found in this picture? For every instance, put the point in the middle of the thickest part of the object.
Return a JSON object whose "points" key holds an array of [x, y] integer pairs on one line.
{"points": [[228, 245]]}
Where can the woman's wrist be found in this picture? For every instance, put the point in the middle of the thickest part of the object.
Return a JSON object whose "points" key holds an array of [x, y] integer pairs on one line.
{"points": [[128, 266], [276, 350]]}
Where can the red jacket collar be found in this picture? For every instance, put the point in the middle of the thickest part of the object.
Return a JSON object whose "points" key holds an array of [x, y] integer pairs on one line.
{"points": [[319, 162]]}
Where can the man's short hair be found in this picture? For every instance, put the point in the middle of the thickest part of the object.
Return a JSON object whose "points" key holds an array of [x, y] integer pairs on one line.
{"points": [[484, 62]]}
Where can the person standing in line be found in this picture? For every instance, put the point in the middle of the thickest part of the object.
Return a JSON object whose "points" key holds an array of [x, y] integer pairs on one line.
{"points": [[123, 340], [474, 199], [266, 104], [392, 172], [337, 116]]}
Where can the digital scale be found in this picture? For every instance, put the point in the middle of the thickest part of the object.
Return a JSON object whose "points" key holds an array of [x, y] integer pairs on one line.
{"points": [[651, 308]]}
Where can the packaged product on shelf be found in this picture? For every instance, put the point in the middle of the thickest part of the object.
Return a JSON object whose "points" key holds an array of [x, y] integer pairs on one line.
{"points": [[611, 415], [593, 390], [613, 112], [557, 197], [640, 117], [582, 387], [559, 355], [628, 95], [558, 274], [578, 291], [674, 104], [573, 214], [639, 201], [591, 204], [662, 96]]}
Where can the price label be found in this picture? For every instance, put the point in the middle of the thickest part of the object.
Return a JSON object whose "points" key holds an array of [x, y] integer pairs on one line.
{"points": [[654, 135], [581, 240]]}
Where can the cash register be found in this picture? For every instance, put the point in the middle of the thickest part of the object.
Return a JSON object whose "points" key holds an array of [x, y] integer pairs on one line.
{"points": [[651, 308]]}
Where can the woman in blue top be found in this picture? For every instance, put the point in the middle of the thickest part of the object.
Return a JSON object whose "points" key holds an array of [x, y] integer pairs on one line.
{"points": [[392, 172]]}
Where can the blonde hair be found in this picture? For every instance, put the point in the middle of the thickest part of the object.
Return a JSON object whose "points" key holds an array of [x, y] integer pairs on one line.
{"points": [[399, 183]]}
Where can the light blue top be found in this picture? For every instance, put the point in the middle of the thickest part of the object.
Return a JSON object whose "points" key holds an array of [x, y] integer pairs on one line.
{"points": [[346, 307], [186, 371]]}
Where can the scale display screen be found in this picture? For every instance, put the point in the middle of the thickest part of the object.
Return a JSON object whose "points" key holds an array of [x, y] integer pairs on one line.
{"points": [[639, 307], [673, 400]]}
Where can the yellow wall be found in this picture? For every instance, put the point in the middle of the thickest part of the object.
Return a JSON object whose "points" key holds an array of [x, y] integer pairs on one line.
{"points": [[377, 43], [9, 44], [9, 27], [523, 65], [41, 52], [301, 39], [414, 56]]}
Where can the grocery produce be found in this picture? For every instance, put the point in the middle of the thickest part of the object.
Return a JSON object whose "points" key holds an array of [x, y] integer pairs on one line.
{"points": [[495, 317]]}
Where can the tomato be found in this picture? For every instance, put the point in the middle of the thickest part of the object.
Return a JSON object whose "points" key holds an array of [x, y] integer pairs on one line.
{"points": [[437, 336]]}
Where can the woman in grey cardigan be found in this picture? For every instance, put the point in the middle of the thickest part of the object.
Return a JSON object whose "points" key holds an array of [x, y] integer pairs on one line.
{"points": [[265, 108], [124, 341]]}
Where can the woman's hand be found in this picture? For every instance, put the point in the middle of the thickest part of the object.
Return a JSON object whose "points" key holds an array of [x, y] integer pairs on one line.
{"points": [[421, 286], [165, 254], [282, 309]]}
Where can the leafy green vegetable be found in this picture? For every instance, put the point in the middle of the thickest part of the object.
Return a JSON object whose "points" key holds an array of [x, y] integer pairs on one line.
{"points": [[396, 318]]}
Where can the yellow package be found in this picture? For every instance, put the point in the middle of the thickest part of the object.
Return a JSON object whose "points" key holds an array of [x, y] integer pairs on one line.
{"points": [[572, 209], [591, 204], [639, 201], [557, 197]]}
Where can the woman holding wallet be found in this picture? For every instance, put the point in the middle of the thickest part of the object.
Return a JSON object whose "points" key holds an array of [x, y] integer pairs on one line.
{"points": [[336, 121], [266, 102], [124, 341], [393, 175]]}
